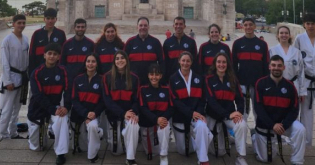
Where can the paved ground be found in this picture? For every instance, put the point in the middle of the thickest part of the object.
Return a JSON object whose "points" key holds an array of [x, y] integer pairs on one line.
{"points": [[17, 152]]}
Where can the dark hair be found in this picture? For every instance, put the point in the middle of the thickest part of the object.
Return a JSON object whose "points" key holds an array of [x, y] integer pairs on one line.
{"points": [[180, 18], [276, 58], [186, 53], [216, 26], [155, 68], [114, 71], [145, 18], [19, 17], [98, 62], [229, 70], [50, 12], [290, 39], [309, 17], [249, 19], [79, 20], [117, 40], [53, 47]]}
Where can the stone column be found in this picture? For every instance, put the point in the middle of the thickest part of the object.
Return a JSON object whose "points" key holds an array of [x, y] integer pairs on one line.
{"points": [[62, 16], [171, 9], [81, 9], [160, 6], [116, 9]]}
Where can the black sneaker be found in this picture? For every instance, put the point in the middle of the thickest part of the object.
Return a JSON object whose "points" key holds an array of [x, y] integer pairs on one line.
{"points": [[131, 162], [18, 137], [51, 135], [61, 159], [95, 159]]}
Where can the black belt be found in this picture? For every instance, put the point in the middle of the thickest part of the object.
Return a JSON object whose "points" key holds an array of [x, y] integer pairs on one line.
{"points": [[294, 78], [310, 89], [156, 141], [186, 131], [247, 99], [115, 135], [269, 144], [76, 136], [215, 139], [43, 125]]}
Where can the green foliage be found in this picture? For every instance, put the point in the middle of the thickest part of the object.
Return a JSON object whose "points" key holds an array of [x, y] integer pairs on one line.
{"points": [[5, 9], [35, 7]]}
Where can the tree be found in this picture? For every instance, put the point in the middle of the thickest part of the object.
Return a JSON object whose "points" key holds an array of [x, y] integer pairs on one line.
{"points": [[35, 7], [5, 9]]}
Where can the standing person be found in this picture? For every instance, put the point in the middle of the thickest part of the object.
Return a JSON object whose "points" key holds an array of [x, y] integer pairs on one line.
{"points": [[189, 117], [293, 60], [192, 34], [222, 90], [276, 106], [211, 48], [156, 109], [75, 50], [48, 82], [41, 37], [87, 106], [250, 61], [168, 34], [107, 45], [121, 86], [305, 42], [14, 81], [144, 50], [176, 44]]}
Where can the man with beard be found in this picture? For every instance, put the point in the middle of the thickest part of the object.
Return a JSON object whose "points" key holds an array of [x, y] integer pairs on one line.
{"points": [[276, 105], [75, 50]]}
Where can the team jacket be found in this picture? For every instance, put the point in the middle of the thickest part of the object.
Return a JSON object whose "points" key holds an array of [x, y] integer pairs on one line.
{"points": [[106, 51], [250, 59], [275, 103], [124, 99], [154, 103], [208, 51], [172, 49], [86, 97], [186, 104], [142, 54], [47, 85], [39, 41], [220, 98], [73, 55]]}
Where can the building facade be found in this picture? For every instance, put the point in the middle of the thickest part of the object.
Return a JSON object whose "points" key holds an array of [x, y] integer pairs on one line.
{"points": [[221, 12]]}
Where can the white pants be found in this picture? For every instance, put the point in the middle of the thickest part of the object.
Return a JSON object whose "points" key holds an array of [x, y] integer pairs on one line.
{"points": [[307, 117], [90, 137], [61, 129], [9, 110], [131, 136], [199, 141], [296, 133], [163, 137], [240, 131], [251, 104]]}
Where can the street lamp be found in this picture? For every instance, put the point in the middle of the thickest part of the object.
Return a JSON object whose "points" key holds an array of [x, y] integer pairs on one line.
{"points": [[224, 6]]}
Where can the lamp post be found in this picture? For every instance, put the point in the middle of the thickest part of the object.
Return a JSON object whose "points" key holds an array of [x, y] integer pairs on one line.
{"points": [[293, 11], [285, 9]]}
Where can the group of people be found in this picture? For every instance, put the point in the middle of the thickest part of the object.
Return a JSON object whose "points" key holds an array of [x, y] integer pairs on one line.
{"points": [[147, 89]]}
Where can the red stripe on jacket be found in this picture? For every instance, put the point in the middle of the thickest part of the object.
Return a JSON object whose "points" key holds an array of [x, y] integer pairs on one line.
{"points": [[250, 56], [53, 89], [75, 58], [276, 101], [142, 57], [159, 105], [121, 95], [89, 97]]}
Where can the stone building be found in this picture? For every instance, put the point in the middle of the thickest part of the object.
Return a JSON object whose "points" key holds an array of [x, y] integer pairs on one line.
{"points": [[221, 12]]}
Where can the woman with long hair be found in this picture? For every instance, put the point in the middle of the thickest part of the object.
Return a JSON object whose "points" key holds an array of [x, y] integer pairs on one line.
{"points": [[189, 121], [121, 86], [222, 90], [87, 106], [209, 49], [107, 45]]}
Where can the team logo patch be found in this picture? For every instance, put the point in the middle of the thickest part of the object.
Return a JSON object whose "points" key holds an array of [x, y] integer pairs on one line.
{"points": [[257, 47], [57, 78], [222, 51], [96, 86], [228, 84], [84, 48], [162, 95], [149, 47], [196, 80], [186, 45], [116, 49], [303, 54], [284, 90], [294, 62], [55, 39]]}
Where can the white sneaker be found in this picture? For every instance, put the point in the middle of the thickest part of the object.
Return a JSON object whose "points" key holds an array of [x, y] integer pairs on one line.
{"points": [[240, 160], [163, 160]]}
